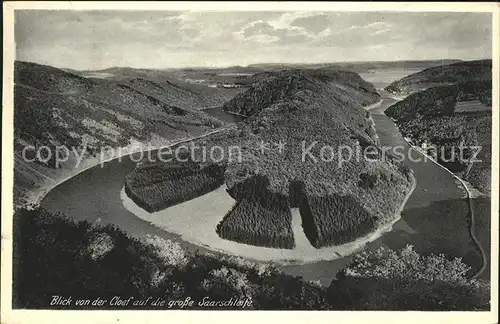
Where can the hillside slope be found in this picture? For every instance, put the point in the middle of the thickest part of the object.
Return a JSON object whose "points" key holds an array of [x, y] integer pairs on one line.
{"points": [[187, 88], [54, 108], [460, 72], [444, 119]]}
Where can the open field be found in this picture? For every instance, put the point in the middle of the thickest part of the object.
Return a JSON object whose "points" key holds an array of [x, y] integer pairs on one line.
{"points": [[470, 106]]}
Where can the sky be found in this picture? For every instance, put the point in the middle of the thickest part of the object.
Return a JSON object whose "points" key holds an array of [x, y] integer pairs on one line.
{"points": [[91, 40]]}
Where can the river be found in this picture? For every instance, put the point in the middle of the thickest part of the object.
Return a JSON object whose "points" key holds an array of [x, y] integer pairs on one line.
{"points": [[434, 219]]}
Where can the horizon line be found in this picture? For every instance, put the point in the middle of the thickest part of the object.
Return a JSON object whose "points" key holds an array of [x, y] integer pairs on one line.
{"points": [[207, 67]]}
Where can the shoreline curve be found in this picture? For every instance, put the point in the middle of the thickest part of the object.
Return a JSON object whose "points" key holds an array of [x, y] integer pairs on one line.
{"points": [[470, 206], [300, 255]]}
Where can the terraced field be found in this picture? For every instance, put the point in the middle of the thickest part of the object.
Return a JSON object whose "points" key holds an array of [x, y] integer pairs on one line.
{"points": [[471, 106]]}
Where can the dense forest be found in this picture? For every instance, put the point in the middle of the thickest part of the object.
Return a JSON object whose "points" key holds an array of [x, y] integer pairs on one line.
{"points": [[320, 109], [252, 223], [56, 256], [74, 110], [292, 84], [263, 218], [455, 139], [440, 101], [156, 187], [259, 217], [334, 220]]}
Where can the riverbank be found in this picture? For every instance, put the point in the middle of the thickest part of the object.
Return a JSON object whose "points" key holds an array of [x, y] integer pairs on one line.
{"points": [[375, 137], [471, 193], [235, 114], [373, 106], [195, 222]]}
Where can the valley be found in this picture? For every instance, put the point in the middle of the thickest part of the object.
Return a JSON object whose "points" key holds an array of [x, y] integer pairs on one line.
{"points": [[434, 206], [452, 123]]}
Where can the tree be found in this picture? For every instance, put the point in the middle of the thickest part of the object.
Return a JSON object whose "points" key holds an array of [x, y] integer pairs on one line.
{"points": [[407, 264], [404, 280]]}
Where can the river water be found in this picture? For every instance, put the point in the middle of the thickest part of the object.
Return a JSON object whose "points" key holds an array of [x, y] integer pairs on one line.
{"points": [[217, 112], [434, 219]]}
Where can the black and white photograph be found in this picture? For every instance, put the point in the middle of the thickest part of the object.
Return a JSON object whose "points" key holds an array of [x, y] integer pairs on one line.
{"points": [[225, 158]]}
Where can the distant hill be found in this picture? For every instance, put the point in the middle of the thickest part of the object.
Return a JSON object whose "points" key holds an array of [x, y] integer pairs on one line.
{"points": [[211, 86], [445, 118], [53, 107], [346, 88], [178, 86], [442, 75], [357, 66]]}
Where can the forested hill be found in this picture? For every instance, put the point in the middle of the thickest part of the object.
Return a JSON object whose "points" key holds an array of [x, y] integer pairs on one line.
{"points": [[318, 118], [322, 108], [479, 70], [447, 117], [346, 88]]}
